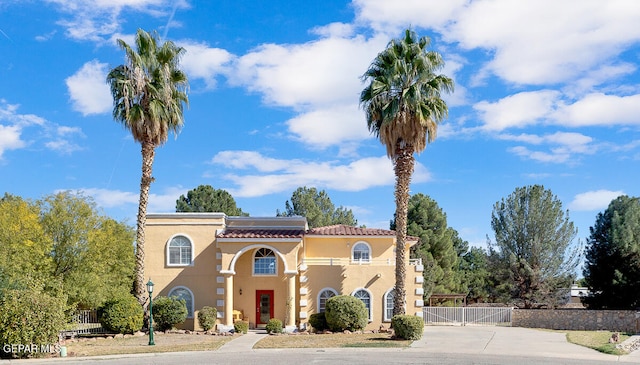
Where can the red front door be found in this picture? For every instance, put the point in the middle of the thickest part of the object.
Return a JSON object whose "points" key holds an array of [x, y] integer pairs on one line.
{"points": [[264, 306]]}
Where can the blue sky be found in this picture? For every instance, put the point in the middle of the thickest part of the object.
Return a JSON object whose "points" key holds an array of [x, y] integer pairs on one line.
{"points": [[547, 92]]}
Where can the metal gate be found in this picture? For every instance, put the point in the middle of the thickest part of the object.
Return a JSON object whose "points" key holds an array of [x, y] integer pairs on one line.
{"points": [[492, 316]]}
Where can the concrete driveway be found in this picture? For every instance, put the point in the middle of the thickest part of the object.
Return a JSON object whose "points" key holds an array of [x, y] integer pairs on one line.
{"points": [[513, 341]]}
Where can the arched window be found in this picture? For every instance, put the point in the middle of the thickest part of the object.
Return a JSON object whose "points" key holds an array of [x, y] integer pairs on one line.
{"points": [[388, 304], [264, 262], [324, 295], [182, 292], [179, 251], [361, 252], [365, 296]]}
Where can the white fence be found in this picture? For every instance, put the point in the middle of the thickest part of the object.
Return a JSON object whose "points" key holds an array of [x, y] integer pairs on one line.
{"points": [[84, 322], [493, 316]]}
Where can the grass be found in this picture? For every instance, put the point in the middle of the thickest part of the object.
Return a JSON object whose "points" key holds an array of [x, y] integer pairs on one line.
{"points": [[597, 340], [140, 344], [330, 340]]}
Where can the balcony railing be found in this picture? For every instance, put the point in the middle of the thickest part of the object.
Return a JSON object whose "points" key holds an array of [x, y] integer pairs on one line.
{"points": [[333, 261]]}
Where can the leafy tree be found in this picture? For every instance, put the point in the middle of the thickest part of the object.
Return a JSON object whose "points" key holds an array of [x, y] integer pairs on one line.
{"points": [[91, 253], [24, 245], [403, 107], [205, 198], [612, 257], [317, 207], [149, 93], [533, 257], [427, 221]]}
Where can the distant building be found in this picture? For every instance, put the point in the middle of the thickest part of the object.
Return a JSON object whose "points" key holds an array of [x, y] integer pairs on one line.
{"points": [[256, 269]]}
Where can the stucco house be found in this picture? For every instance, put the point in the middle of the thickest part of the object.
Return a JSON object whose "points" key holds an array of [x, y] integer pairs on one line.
{"points": [[258, 268]]}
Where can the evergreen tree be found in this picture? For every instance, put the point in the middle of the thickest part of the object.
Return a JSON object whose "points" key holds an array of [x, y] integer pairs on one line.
{"points": [[317, 207], [436, 247], [205, 198], [533, 257], [612, 257]]}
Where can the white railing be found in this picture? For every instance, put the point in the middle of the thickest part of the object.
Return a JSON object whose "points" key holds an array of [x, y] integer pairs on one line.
{"points": [[84, 322], [337, 261], [467, 315]]}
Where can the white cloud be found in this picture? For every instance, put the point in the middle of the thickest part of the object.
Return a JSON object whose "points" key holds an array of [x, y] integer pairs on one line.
{"points": [[563, 146], [594, 200], [10, 138], [163, 202], [201, 61], [531, 41], [316, 73], [286, 175], [601, 109], [518, 110], [97, 20], [88, 89], [333, 125]]}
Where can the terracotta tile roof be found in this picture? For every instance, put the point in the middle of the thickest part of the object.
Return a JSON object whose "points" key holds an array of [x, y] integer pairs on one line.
{"points": [[344, 230], [261, 233]]}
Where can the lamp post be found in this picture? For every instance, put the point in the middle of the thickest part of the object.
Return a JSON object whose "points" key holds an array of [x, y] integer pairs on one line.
{"points": [[150, 290]]}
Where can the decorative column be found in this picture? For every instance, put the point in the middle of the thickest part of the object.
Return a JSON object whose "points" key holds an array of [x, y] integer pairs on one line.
{"points": [[228, 299], [292, 306]]}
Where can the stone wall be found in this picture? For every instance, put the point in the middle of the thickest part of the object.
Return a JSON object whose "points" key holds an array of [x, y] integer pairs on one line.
{"points": [[576, 319]]}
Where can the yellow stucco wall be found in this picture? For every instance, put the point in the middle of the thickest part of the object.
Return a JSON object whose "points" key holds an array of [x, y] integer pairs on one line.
{"points": [[315, 263]]}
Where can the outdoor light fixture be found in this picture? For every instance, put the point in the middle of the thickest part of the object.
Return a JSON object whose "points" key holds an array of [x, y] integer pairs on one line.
{"points": [[150, 290]]}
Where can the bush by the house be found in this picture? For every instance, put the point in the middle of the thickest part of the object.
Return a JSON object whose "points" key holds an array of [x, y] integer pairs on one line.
{"points": [[29, 316], [274, 326], [407, 327], [318, 321], [168, 312], [121, 315], [207, 317], [241, 327], [344, 312]]}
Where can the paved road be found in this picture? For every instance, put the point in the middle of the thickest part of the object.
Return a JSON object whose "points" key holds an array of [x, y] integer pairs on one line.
{"points": [[439, 345]]}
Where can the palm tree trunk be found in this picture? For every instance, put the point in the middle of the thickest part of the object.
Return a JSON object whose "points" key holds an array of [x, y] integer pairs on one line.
{"points": [[403, 169], [148, 154]]}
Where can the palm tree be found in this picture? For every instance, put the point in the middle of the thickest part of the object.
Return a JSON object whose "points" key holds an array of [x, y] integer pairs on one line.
{"points": [[403, 108], [149, 93]]}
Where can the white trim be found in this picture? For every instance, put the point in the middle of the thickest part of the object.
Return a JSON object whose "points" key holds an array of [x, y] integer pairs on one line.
{"points": [[253, 263], [193, 299], [232, 265], [335, 292], [167, 246], [278, 240], [370, 301], [361, 261], [385, 318], [199, 215]]}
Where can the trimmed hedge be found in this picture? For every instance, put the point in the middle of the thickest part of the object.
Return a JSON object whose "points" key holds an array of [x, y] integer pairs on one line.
{"points": [[207, 317], [167, 312], [344, 312], [241, 327], [274, 326], [121, 315], [407, 327], [318, 321], [29, 316]]}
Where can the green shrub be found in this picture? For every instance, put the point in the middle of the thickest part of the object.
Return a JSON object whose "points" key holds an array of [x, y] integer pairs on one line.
{"points": [[29, 316], [241, 327], [207, 317], [318, 321], [274, 326], [344, 312], [121, 315], [407, 327], [167, 312]]}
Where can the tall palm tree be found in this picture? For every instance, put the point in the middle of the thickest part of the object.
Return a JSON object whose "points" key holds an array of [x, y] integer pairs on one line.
{"points": [[149, 93], [403, 107]]}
